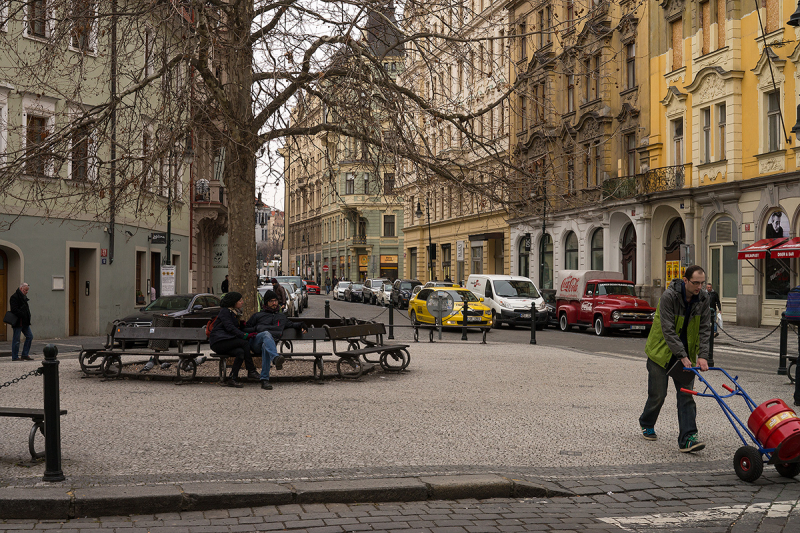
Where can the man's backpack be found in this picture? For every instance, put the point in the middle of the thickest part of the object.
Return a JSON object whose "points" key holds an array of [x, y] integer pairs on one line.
{"points": [[210, 326], [793, 304]]}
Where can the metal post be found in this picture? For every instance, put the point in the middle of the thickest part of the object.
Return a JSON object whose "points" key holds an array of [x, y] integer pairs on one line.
{"points": [[464, 320], [783, 346], [439, 306], [52, 416], [711, 344], [533, 322], [391, 319], [327, 308]]}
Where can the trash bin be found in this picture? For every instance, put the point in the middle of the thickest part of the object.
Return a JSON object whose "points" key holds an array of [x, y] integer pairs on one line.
{"points": [[160, 321]]}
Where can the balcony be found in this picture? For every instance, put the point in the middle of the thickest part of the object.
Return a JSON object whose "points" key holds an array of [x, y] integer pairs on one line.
{"points": [[359, 240], [654, 180]]}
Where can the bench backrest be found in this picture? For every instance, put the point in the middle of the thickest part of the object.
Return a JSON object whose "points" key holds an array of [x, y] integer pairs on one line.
{"points": [[320, 322], [313, 334], [129, 333], [360, 330]]}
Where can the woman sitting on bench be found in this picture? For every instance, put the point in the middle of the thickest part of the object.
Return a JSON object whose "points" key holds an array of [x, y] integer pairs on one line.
{"points": [[227, 339]]}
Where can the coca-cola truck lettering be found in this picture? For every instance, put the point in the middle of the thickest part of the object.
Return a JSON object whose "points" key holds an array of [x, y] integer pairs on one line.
{"points": [[602, 300]]}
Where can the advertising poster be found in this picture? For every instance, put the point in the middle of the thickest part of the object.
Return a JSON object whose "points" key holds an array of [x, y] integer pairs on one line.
{"points": [[167, 280]]}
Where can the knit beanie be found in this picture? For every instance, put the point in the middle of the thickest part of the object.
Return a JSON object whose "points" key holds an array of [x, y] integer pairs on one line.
{"points": [[230, 299], [269, 295]]}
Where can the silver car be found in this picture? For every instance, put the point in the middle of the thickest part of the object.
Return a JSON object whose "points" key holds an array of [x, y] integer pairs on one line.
{"points": [[290, 304], [295, 294], [338, 290], [384, 295]]}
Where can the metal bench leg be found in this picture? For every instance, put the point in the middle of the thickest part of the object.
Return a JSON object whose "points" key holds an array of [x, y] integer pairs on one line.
{"points": [[38, 425], [484, 336], [416, 334], [223, 371]]}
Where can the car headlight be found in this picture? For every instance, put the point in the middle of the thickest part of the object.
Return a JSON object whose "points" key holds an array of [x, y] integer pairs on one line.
{"points": [[504, 304], [615, 316], [542, 306], [488, 312], [652, 315]]}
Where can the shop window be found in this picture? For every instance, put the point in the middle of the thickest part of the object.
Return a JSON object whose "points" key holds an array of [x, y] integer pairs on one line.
{"points": [[773, 121], [571, 252], [597, 249], [477, 259], [777, 274]]}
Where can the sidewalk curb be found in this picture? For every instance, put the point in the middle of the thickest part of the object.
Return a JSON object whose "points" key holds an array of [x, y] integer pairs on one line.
{"points": [[65, 503]]}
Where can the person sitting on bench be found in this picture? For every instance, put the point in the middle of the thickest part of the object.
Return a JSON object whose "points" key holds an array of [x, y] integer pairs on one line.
{"points": [[269, 324], [227, 339]]}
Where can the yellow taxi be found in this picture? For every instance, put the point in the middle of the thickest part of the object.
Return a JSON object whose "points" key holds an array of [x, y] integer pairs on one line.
{"points": [[479, 315]]}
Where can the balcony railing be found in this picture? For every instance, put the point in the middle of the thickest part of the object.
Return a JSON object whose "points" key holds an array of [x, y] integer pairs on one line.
{"points": [[654, 180], [359, 239]]}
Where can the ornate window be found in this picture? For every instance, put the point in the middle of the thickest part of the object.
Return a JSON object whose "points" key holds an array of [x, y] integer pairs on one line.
{"points": [[571, 251], [597, 249]]}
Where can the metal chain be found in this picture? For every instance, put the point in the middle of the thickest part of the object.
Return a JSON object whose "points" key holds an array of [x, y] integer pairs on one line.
{"points": [[750, 342], [36, 372]]}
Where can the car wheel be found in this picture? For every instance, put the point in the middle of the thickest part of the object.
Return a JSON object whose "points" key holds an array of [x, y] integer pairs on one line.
{"points": [[495, 323], [563, 323], [599, 327], [413, 317]]}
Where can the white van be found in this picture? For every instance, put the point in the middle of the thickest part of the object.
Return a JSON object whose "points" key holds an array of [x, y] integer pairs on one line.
{"points": [[510, 298]]}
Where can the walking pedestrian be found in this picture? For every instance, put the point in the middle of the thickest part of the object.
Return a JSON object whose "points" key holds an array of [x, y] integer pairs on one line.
{"points": [[153, 293], [18, 304], [280, 292], [225, 285], [327, 284], [680, 335], [715, 304], [228, 339]]}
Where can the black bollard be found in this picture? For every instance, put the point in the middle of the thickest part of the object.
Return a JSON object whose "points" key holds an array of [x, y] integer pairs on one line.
{"points": [[464, 320], [391, 320], [327, 308], [52, 416], [533, 322], [783, 346]]}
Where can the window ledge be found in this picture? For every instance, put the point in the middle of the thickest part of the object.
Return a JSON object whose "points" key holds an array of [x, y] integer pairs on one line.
{"points": [[628, 91], [590, 103], [771, 154], [712, 163]]}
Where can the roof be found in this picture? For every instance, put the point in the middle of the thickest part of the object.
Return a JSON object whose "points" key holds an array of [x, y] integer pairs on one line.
{"points": [[383, 35]]}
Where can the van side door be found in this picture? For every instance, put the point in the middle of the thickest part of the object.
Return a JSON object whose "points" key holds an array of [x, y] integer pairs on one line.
{"points": [[587, 303]]}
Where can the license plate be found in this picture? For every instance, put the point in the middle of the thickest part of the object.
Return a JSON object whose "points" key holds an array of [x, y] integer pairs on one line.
{"points": [[525, 315], [638, 327], [474, 319]]}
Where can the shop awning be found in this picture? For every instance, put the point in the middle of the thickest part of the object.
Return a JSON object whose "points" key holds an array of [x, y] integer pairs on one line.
{"points": [[790, 248], [759, 249]]}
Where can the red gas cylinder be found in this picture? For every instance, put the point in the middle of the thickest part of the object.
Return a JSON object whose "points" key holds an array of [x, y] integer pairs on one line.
{"points": [[776, 425]]}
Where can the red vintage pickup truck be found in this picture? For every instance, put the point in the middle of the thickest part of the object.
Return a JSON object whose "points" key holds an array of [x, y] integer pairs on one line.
{"points": [[602, 300]]}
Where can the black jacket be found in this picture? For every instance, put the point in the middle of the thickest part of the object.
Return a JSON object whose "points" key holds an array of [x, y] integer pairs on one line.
{"points": [[18, 304], [226, 328], [275, 323]]}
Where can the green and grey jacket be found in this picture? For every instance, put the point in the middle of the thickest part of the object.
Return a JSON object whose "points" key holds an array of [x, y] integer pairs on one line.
{"points": [[664, 339]]}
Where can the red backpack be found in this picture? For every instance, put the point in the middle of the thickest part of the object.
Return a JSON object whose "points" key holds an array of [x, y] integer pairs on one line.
{"points": [[210, 326]]}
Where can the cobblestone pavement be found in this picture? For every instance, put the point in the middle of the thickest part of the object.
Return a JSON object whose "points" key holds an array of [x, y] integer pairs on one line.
{"points": [[707, 502]]}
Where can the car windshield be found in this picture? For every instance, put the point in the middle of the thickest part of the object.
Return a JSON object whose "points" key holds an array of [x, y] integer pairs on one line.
{"points": [[169, 303], [344, 284], [407, 285], [515, 288], [357, 286], [463, 296], [623, 289]]}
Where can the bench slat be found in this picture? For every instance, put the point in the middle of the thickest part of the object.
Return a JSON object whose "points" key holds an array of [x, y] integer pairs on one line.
{"points": [[360, 330], [172, 334], [24, 412]]}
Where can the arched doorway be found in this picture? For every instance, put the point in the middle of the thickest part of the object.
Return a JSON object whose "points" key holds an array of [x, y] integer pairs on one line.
{"points": [[597, 249], [524, 256], [3, 289], [676, 236], [629, 253]]}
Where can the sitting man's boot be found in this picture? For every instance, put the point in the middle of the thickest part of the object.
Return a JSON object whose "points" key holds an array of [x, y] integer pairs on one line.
{"points": [[266, 385], [279, 362]]}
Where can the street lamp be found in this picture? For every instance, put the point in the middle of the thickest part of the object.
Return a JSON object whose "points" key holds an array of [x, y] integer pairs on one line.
{"points": [[188, 157], [431, 252]]}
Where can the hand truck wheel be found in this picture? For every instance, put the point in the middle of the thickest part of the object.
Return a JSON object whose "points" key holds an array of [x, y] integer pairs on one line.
{"points": [[789, 470], [748, 463]]}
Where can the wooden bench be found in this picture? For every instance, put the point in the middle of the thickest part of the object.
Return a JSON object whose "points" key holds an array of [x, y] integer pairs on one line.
{"points": [[37, 415], [290, 336], [393, 357], [111, 364]]}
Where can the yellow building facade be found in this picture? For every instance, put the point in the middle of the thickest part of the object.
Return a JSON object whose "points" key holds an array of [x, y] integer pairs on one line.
{"points": [[723, 99]]}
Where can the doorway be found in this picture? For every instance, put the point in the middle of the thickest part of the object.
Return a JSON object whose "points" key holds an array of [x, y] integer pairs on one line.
{"points": [[3, 289], [155, 273], [74, 277], [629, 253]]}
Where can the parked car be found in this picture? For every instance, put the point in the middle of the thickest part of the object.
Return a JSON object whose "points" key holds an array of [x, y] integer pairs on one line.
{"points": [[298, 281], [354, 292], [294, 292], [339, 288], [401, 291], [290, 310], [604, 300], [385, 293], [202, 306], [371, 288], [441, 284], [479, 315], [549, 296], [510, 298], [312, 287]]}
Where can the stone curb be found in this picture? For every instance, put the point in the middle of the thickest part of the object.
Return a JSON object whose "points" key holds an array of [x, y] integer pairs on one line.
{"points": [[63, 503]]}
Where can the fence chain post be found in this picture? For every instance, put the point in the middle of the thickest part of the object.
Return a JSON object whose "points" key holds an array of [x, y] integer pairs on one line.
{"points": [[52, 416], [783, 346], [533, 322], [327, 308], [464, 312], [391, 319]]}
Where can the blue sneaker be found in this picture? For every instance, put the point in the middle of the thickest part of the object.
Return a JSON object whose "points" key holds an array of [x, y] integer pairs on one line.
{"points": [[649, 433], [692, 444]]}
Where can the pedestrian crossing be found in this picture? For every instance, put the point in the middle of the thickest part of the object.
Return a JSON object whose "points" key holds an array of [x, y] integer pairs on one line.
{"points": [[720, 349]]}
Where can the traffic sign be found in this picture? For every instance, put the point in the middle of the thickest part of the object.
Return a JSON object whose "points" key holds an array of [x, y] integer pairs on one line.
{"points": [[440, 304], [324, 268]]}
